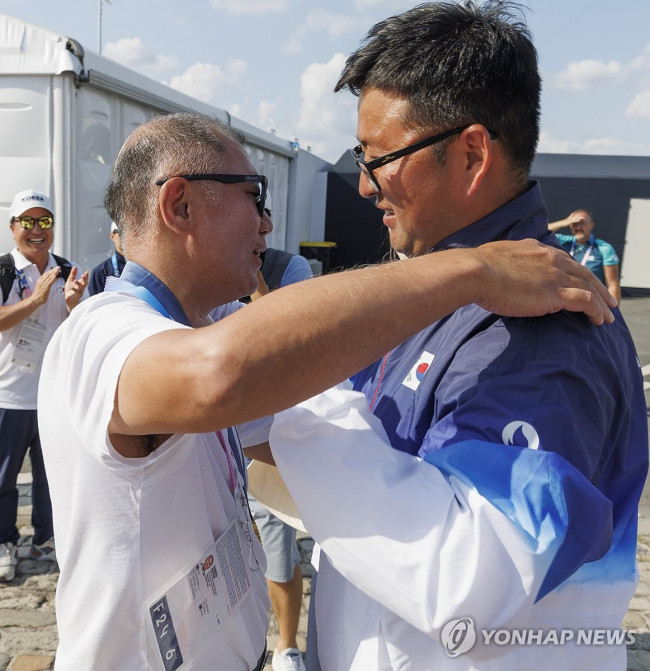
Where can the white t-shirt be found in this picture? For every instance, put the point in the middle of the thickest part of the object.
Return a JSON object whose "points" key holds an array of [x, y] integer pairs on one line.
{"points": [[125, 527], [20, 365]]}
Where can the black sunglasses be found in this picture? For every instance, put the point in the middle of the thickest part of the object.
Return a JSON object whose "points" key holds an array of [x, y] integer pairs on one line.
{"points": [[367, 167], [230, 179]]}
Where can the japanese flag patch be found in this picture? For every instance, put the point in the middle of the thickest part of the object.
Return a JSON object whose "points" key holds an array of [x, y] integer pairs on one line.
{"points": [[413, 379]]}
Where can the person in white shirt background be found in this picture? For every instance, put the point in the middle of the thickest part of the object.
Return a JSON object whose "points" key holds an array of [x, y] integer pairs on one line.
{"points": [[37, 301]]}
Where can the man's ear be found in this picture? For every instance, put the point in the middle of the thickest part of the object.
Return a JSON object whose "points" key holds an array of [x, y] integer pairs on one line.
{"points": [[478, 155], [173, 203]]}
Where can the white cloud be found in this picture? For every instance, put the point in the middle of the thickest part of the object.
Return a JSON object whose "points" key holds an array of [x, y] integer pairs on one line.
{"points": [[596, 146], [251, 7], [591, 74], [631, 78], [265, 115], [552, 145], [373, 4], [294, 45], [641, 63], [608, 145], [130, 51], [335, 24], [322, 21], [327, 121], [212, 84], [237, 110], [316, 90], [613, 146], [639, 108]]}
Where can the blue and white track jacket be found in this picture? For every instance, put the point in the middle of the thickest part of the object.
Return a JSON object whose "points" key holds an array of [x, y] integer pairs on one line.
{"points": [[505, 507]]}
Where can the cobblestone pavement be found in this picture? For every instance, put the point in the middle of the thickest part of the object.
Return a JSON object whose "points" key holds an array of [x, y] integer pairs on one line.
{"points": [[28, 636]]}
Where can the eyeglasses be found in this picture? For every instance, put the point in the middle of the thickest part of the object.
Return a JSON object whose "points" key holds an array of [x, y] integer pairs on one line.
{"points": [[231, 179], [28, 222], [367, 167]]}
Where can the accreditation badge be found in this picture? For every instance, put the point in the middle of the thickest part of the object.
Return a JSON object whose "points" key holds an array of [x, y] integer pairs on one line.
{"points": [[184, 616], [32, 340]]}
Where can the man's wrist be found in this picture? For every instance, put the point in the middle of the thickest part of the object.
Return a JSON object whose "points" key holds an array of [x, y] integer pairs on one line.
{"points": [[32, 301]]}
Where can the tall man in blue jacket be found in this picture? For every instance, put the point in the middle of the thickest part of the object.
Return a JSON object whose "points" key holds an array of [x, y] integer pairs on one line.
{"points": [[487, 477]]}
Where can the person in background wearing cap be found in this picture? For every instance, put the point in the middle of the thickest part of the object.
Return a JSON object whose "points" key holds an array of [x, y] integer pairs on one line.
{"points": [[112, 267], [36, 304]]}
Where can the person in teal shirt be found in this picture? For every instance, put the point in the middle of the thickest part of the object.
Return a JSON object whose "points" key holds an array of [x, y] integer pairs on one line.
{"points": [[599, 256]]}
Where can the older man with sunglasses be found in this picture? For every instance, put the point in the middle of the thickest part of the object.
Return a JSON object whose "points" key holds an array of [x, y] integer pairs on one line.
{"points": [[38, 299]]}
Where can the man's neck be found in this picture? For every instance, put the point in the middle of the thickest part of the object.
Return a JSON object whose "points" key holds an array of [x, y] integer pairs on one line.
{"points": [[192, 299], [584, 241], [39, 260], [138, 274]]}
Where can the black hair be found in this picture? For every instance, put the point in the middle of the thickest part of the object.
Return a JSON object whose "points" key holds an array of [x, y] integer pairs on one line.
{"points": [[457, 64]]}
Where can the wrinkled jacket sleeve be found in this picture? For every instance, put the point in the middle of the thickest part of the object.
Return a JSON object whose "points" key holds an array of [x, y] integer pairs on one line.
{"points": [[482, 528]]}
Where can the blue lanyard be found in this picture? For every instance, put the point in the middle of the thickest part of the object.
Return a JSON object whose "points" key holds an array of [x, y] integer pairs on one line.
{"points": [[116, 269], [138, 281], [585, 256], [115, 284], [23, 285]]}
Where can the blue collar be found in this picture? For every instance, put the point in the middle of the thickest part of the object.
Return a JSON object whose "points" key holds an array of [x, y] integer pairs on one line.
{"points": [[138, 281], [524, 217]]}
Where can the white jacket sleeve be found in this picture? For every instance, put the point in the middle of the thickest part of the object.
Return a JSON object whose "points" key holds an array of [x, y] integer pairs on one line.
{"points": [[423, 543]]}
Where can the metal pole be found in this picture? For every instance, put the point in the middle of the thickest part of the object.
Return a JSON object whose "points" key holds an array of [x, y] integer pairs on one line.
{"points": [[99, 29]]}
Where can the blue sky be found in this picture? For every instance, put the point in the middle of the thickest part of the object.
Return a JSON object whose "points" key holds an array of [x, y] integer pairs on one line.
{"points": [[273, 63]]}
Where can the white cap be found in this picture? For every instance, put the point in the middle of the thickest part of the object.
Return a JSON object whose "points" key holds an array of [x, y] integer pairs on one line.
{"points": [[113, 227], [25, 200]]}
